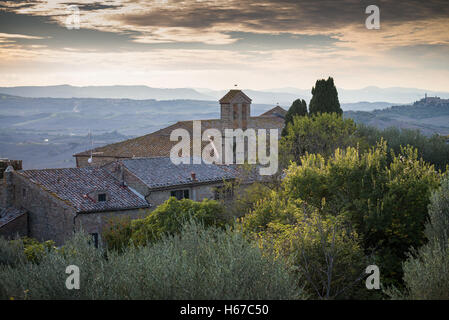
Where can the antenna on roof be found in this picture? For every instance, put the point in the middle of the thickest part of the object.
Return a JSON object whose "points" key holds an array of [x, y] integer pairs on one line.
{"points": [[92, 147]]}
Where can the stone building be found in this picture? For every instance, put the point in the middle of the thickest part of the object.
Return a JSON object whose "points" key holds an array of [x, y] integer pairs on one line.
{"points": [[235, 110], [13, 221], [158, 179], [60, 201], [52, 203]]}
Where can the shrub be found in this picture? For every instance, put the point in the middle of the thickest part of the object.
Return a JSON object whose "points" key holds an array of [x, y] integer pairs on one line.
{"points": [[426, 271], [167, 218], [433, 149], [117, 234], [319, 133], [197, 263], [324, 250], [385, 201], [11, 252]]}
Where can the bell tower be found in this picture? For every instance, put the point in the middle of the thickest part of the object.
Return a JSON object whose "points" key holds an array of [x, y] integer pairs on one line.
{"points": [[235, 110]]}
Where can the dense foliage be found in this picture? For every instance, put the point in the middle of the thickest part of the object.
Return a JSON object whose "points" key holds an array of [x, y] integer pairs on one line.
{"points": [[426, 271], [298, 108], [324, 250], [385, 201], [322, 133], [433, 149], [167, 218], [325, 98], [197, 263]]}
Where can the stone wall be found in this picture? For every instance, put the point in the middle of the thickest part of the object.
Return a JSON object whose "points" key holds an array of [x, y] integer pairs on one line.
{"points": [[197, 193], [49, 218], [98, 222]]}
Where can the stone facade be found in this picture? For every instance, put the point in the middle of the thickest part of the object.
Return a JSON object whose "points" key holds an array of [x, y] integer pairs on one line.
{"points": [[97, 222], [196, 193], [156, 196], [50, 218]]}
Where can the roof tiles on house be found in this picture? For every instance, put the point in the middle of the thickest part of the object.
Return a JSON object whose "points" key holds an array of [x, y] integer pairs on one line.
{"points": [[162, 172], [276, 111], [9, 214], [75, 186], [156, 144]]}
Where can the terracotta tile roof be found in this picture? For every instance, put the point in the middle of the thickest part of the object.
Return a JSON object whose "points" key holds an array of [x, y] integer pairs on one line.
{"points": [[75, 186], [162, 172], [231, 95], [276, 111], [9, 214], [156, 144]]}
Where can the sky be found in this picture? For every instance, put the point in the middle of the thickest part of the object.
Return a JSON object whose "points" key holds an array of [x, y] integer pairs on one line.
{"points": [[216, 44]]}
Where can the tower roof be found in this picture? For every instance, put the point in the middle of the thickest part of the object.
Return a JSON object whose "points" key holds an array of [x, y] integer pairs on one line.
{"points": [[232, 94]]}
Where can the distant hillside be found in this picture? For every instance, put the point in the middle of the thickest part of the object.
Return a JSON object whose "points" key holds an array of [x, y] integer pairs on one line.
{"points": [[395, 95], [429, 117], [365, 106], [284, 96], [112, 92], [78, 115]]}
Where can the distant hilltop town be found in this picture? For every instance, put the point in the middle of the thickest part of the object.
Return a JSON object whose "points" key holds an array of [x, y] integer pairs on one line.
{"points": [[432, 100]]}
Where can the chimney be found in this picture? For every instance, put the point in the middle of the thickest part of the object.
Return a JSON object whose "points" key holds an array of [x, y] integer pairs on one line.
{"points": [[9, 190], [193, 175]]}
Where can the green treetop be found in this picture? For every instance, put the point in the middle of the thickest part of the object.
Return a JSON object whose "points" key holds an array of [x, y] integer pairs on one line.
{"points": [[298, 108], [325, 98]]}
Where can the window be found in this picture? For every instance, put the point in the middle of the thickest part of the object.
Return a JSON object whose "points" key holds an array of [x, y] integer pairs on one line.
{"points": [[24, 192], [95, 239], [224, 193], [180, 194], [101, 197]]}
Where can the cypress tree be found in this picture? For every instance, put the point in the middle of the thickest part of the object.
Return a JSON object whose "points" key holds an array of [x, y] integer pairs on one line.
{"points": [[298, 108], [325, 98]]}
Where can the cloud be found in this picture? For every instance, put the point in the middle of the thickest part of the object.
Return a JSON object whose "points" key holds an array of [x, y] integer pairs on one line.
{"points": [[8, 39], [175, 20], [214, 42]]}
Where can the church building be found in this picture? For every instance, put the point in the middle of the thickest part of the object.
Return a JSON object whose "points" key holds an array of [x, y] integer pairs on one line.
{"points": [[235, 112]]}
